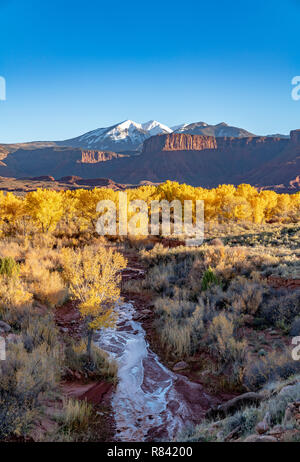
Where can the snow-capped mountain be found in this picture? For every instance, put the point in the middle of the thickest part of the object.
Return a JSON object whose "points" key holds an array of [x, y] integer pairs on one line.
{"points": [[155, 128], [129, 136], [219, 130], [179, 127], [125, 136]]}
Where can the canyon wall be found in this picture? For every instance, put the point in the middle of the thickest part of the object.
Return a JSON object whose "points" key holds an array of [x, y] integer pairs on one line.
{"points": [[185, 142], [93, 157], [179, 142]]}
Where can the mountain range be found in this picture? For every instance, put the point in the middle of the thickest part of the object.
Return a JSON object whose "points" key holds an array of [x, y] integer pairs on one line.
{"points": [[130, 153], [128, 136]]}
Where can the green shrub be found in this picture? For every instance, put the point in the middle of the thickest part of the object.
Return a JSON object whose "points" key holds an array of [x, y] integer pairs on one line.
{"points": [[209, 279], [8, 266]]}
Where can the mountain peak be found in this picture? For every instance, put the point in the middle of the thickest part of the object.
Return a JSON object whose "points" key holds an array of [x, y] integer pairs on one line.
{"points": [[123, 136], [155, 128], [219, 130], [128, 123]]}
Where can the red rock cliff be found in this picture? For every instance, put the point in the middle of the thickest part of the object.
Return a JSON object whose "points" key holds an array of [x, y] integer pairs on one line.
{"points": [[185, 142], [93, 157], [179, 142]]}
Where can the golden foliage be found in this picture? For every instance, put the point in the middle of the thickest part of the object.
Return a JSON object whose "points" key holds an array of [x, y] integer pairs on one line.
{"points": [[48, 210], [93, 275]]}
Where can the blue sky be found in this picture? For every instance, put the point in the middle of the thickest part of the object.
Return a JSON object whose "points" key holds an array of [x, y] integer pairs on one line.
{"points": [[72, 66]]}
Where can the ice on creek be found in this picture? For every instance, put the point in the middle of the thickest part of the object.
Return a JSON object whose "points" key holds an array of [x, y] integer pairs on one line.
{"points": [[145, 386]]}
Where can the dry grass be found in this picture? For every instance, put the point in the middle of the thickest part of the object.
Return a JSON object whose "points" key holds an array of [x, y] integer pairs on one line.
{"points": [[38, 357], [76, 415], [98, 365], [233, 299]]}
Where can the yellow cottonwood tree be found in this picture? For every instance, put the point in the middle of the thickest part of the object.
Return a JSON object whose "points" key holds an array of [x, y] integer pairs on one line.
{"points": [[12, 210], [76, 211], [86, 204], [45, 208], [93, 275]]}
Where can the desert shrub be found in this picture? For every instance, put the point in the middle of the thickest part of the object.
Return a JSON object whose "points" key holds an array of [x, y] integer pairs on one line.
{"points": [[174, 308], [202, 433], [38, 260], [43, 281], [50, 289], [12, 249], [226, 261], [42, 241], [16, 415], [245, 295], [23, 376], [160, 279], [278, 404], [97, 365], [209, 279], [138, 243], [76, 415], [41, 330], [222, 341], [281, 308], [180, 325], [213, 300], [161, 254], [176, 338], [274, 366], [8, 267], [15, 300], [244, 420]]}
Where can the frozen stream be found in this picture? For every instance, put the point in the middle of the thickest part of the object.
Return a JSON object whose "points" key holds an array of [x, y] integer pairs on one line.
{"points": [[149, 401]]}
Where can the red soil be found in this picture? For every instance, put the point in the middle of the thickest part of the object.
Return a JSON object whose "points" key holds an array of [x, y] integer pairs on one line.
{"points": [[68, 319], [277, 283], [95, 392]]}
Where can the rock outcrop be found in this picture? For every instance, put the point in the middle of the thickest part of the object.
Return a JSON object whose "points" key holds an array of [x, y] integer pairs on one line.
{"points": [[93, 157], [186, 142], [179, 142]]}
